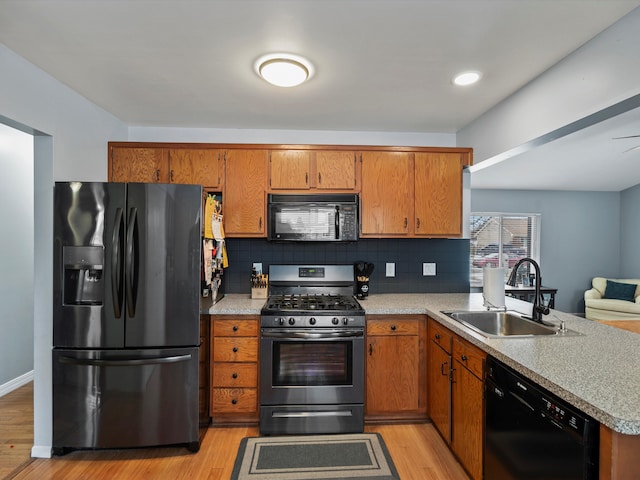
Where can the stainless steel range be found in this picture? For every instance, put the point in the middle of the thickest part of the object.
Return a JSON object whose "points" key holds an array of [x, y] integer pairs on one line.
{"points": [[311, 352]]}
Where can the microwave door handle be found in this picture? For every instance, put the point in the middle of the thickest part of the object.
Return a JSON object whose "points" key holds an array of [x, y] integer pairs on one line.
{"points": [[336, 219]]}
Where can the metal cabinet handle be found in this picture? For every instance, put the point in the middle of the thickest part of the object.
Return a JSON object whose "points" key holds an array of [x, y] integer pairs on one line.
{"points": [[235, 328], [393, 327], [442, 369], [234, 375], [406, 222], [235, 349], [234, 401], [437, 336], [463, 358], [319, 177], [171, 176], [418, 224], [370, 349]]}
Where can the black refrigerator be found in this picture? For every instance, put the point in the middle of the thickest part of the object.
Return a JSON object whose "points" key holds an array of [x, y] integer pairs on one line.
{"points": [[126, 328]]}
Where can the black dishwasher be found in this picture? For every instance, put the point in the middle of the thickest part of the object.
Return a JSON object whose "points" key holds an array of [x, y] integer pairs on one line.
{"points": [[532, 434]]}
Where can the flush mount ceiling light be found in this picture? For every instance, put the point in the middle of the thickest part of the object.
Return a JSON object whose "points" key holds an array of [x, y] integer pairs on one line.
{"points": [[466, 78], [284, 70]]}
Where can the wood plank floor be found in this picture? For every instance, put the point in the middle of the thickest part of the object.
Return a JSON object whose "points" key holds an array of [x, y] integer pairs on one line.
{"points": [[417, 451], [16, 429]]}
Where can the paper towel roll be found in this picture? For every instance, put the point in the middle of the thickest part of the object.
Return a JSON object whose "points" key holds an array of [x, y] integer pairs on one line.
{"points": [[493, 290]]}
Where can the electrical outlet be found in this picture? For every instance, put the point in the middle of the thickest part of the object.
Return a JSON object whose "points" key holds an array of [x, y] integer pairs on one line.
{"points": [[428, 269], [391, 269]]}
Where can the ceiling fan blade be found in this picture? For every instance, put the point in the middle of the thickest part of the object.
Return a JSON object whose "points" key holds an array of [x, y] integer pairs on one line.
{"points": [[632, 148], [629, 136]]}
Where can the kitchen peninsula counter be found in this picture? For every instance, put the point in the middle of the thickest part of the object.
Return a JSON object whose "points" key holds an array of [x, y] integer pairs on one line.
{"points": [[596, 372]]}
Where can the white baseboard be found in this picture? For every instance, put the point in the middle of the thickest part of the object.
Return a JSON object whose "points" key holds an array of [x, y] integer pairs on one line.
{"points": [[17, 382], [41, 451]]}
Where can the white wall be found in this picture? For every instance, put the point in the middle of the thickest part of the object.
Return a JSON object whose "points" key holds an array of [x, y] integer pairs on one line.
{"points": [[579, 236], [294, 137], [601, 73], [630, 233], [70, 144], [16, 263]]}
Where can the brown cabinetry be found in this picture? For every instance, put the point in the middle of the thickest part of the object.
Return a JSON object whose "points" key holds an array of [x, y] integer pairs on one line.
{"points": [[312, 170], [456, 394], [439, 378], [412, 193], [164, 164], [467, 406], [203, 383], [138, 164], [438, 197], [199, 166], [387, 194], [396, 368], [234, 370], [244, 198]]}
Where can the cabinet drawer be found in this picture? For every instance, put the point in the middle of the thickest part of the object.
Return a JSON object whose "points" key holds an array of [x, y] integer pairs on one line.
{"points": [[440, 335], [235, 328], [231, 349], [469, 356], [392, 327], [234, 400], [235, 375]]}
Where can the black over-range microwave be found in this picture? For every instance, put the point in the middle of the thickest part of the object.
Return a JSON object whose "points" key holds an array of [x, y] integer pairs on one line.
{"points": [[312, 218]]}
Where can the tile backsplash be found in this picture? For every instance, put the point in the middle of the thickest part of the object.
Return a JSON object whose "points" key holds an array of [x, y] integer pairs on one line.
{"points": [[451, 257]]}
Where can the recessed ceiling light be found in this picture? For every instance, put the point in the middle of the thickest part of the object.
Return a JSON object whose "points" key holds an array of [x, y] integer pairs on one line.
{"points": [[284, 70], [466, 78]]}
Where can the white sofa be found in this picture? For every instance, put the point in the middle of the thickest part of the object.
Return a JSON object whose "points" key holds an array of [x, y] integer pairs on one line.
{"points": [[597, 307]]}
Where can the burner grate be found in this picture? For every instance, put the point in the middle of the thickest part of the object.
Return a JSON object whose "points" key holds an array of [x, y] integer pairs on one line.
{"points": [[318, 302]]}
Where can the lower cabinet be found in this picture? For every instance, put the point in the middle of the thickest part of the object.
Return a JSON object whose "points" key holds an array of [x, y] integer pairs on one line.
{"points": [[456, 395], [234, 369], [396, 381]]}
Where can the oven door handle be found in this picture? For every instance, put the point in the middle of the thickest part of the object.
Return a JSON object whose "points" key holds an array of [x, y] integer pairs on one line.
{"points": [[297, 334]]}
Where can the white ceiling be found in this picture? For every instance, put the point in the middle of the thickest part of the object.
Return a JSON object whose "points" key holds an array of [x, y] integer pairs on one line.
{"points": [[381, 65]]}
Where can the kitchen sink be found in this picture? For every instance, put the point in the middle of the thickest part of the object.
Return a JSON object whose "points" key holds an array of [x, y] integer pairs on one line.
{"points": [[507, 324]]}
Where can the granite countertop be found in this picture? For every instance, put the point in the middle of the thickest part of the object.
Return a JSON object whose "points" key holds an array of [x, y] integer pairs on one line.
{"points": [[597, 372]]}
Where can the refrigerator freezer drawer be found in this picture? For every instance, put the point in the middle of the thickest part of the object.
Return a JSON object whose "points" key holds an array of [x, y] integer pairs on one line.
{"points": [[125, 398]]}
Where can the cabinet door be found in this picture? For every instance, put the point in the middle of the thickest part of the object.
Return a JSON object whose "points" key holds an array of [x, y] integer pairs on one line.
{"points": [[290, 169], [439, 392], [466, 438], [387, 193], [392, 374], [438, 194], [133, 164], [335, 170], [195, 166], [244, 193]]}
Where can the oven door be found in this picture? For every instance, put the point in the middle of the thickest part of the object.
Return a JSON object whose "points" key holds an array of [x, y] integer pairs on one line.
{"points": [[312, 367]]}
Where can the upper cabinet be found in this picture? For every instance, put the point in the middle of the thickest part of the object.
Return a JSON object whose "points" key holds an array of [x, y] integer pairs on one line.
{"points": [[138, 164], [199, 166], [412, 194], [312, 170], [244, 198], [438, 194], [386, 199], [162, 164], [405, 192]]}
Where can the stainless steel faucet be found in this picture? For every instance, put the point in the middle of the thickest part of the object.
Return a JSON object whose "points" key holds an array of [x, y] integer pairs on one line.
{"points": [[539, 308]]}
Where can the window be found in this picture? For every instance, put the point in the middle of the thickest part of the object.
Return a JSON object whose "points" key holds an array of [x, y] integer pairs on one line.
{"points": [[500, 240]]}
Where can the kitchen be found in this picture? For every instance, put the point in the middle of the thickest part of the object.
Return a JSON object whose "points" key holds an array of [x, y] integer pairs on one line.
{"points": [[87, 139]]}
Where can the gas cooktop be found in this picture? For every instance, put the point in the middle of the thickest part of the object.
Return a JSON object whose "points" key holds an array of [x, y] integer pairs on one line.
{"points": [[314, 303]]}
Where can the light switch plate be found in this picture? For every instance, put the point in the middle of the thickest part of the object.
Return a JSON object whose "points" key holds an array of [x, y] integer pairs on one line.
{"points": [[258, 268], [391, 269], [428, 269]]}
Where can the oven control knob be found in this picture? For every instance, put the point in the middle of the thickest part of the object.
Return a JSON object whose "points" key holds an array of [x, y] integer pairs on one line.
{"points": [[280, 321], [345, 321], [312, 321], [292, 321], [335, 320]]}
